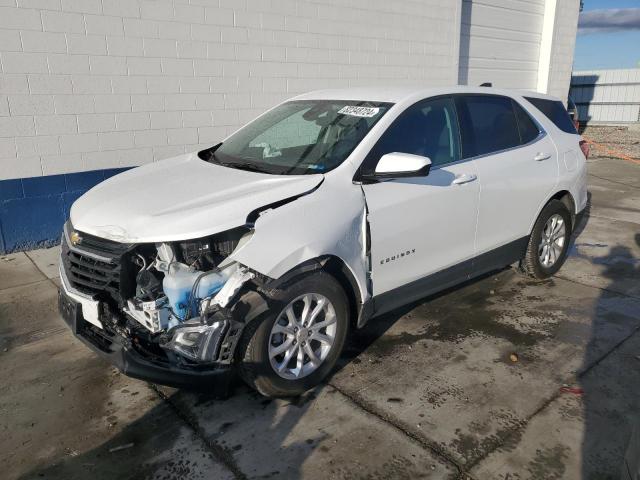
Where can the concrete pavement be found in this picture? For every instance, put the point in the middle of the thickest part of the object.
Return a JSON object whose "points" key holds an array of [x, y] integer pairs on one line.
{"points": [[468, 383]]}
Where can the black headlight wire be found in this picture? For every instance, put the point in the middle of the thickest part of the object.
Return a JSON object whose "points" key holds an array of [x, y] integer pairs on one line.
{"points": [[194, 289], [144, 262]]}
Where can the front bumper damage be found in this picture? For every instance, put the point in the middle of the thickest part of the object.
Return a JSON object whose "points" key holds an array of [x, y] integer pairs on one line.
{"points": [[121, 352], [194, 354]]}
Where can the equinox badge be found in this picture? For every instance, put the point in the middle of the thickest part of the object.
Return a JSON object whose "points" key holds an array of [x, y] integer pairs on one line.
{"points": [[397, 256]]}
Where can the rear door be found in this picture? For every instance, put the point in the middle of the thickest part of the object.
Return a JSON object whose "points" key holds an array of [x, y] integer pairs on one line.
{"points": [[517, 167]]}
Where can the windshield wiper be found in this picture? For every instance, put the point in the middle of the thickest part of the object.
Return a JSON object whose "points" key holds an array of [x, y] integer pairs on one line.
{"points": [[250, 167]]}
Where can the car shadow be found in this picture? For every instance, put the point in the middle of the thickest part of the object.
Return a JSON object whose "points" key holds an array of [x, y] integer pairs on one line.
{"points": [[611, 400], [197, 435]]}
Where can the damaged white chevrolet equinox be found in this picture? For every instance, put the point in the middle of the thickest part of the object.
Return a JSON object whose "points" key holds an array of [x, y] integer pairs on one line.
{"points": [[258, 255]]}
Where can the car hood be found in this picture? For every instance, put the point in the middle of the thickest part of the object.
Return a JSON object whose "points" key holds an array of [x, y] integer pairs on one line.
{"points": [[179, 199]]}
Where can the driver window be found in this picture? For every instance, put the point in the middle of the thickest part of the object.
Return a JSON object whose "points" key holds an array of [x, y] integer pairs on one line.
{"points": [[428, 128]]}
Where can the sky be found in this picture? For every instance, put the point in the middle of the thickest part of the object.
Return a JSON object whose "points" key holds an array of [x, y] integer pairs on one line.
{"points": [[608, 35]]}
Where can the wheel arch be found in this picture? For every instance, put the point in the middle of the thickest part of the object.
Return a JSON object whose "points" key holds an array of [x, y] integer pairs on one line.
{"points": [[338, 269], [563, 196], [566, 197]]}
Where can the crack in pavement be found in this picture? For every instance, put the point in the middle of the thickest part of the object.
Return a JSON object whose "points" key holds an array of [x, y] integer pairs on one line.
{"points": [[46, 277], [552, 398], [612, 219], [380, 415], [614, 292], [614, 181], [28, 284], [221, 454]]}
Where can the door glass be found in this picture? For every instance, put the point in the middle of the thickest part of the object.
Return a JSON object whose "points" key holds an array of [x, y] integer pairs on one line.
{"points": [[527, 127], [554, 111], [428, 128], [488, 124]]}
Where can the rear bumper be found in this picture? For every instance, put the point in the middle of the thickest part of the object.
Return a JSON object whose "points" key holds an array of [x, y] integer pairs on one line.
{"points": [[119, 352]]}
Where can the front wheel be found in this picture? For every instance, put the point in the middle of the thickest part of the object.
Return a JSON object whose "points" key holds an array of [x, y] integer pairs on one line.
{"points": [[293, 347], [549, 241]]}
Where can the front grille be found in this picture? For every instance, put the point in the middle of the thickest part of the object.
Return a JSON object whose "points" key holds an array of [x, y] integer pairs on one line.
{"points": [[95, 265], [91, 275], [101, 339]]}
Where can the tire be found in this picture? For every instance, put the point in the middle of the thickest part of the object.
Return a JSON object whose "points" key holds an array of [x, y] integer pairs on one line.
{"points": [[255, 365], [532, 264]]}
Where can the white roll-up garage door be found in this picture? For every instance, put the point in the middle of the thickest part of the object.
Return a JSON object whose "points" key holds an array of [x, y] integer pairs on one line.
{"points": [[500, 42]]}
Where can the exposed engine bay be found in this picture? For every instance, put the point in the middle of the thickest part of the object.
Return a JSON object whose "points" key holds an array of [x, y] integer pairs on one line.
{"points": [[169, 299]]}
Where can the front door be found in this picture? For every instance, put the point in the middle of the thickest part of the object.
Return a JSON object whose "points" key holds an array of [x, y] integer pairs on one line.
{"points": [[425, 224]]}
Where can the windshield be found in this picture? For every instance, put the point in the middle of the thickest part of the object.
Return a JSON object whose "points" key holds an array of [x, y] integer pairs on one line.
{"points": [[299, 137]]}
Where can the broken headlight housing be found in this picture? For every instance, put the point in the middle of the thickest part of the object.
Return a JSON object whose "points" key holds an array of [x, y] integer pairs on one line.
{"points": [[208, 252], [198, 341], [191, 251]]}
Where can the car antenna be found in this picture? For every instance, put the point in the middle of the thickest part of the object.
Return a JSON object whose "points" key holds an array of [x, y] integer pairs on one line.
{"points": [[486, 84]]}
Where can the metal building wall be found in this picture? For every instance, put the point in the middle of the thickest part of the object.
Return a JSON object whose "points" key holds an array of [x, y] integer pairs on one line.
{"points": [[607, 96]]}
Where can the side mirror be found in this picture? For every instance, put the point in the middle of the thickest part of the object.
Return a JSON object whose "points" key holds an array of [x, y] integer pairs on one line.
{"points": [[398, 164]]}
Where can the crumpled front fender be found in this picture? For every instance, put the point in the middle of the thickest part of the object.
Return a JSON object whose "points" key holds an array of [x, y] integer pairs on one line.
{"points": [[329, 221]]}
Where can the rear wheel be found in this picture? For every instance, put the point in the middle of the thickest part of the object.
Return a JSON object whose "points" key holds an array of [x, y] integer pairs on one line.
{"points": [[549, 241], [296, 344]]}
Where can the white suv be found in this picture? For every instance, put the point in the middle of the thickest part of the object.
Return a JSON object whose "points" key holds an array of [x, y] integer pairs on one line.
{"points": [[260, 253]]}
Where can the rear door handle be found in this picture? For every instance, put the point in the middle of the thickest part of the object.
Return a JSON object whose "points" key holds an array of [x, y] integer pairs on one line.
{"points": [[542, 156], [464, 178]]}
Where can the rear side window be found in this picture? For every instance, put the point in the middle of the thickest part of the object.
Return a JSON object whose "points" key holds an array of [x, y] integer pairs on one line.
{"points": [[488, 124], [554, 111], [529, 131]]}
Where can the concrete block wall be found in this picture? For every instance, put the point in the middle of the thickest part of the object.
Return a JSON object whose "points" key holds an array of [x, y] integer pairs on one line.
{"points": [[93, 85], [98, 84]]}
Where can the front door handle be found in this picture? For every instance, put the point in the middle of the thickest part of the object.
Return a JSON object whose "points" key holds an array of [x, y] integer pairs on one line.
{"points": [[542, 156], [464, 178]]}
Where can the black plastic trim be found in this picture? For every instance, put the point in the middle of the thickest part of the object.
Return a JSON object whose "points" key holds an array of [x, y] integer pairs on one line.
{"points": [[484, 263], [115, 350]]}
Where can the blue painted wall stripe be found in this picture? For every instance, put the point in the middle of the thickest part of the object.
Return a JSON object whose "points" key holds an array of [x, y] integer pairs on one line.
{"points": [[33, 210]]}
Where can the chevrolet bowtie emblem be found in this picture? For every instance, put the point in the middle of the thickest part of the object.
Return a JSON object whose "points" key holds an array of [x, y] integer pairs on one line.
{"points": [[75, 238]]}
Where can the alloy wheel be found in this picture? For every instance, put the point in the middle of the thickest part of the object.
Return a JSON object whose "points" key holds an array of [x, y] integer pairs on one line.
{"points": [[552, 242], [302, 336]]}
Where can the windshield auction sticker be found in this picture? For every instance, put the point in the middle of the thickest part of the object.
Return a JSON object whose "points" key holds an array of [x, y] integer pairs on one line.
{"points": [[359, 111]]}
